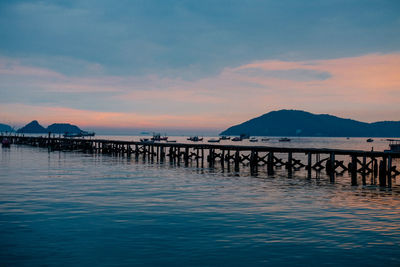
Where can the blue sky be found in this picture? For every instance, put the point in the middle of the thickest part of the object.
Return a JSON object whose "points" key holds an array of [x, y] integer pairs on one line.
{"points": [[130, 46]]}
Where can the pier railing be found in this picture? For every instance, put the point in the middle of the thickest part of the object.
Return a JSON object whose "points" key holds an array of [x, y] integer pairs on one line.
{"points": [[379, 164]]}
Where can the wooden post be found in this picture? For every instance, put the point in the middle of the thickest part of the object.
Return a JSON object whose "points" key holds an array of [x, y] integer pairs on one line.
{"points": [[382, 172], [309, 164], [332, 162], [186, 156], [237, 160], [389, 172], [289, 163], [197, 157], [211, 158], [364, 170], [331, 167], [49, 140], [202, 157], [171, 156], [353, 170], [162, 154], [270, 164], [222, 159], [179, 156], [252, 162]]}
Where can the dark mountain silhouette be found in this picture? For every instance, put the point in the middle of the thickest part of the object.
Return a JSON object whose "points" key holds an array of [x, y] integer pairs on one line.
{"points": [[32, 127], [6, 128], [60, 128], [56, 128], [301, 123]]}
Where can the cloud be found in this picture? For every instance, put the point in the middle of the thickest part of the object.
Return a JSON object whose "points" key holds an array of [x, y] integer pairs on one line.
{"points": [[365, 87], [190, 39]]}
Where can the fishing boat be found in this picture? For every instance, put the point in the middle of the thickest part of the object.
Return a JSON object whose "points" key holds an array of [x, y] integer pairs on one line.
{"points": [[224, 137], [5, 143], [158, 137], [84, 133], [369, 140], [72, 135], [146, 140], [236, 139], [284, 139], [265, 139], [195, 139], [80, 134], [394, 145], [253, 140], [214, 140]]}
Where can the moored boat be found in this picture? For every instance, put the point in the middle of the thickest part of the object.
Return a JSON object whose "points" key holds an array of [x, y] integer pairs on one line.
{"points": [[284, 139], [253, 140], [394, 145], [158, 137], [369, 140], [236, 139], [214, 140], [146, 140], [195, 139], [80, 134]]}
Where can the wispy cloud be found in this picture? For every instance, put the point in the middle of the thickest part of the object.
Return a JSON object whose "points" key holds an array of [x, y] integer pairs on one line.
{"points": [[365, 87]]}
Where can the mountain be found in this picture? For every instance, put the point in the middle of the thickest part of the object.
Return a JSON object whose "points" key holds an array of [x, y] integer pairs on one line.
{"points": [[302, 123], [6, 128], [32, 127], [60, 128]]}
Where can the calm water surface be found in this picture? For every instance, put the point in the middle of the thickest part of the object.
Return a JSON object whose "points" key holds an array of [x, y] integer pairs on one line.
{"points": [[67, 208]]}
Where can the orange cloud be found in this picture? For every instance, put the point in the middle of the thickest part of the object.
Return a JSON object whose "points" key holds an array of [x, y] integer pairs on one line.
{"points": [[365, 88]]}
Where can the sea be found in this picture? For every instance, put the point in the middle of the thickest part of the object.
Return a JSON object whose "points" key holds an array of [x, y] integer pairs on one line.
{"points": [[79, 209]]}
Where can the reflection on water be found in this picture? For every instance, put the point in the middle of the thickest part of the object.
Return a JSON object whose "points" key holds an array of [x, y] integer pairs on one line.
{"points": [[80, 209]]}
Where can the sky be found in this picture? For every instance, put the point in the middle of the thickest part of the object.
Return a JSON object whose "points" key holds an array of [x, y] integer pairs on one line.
{"points": [[196, 65]]}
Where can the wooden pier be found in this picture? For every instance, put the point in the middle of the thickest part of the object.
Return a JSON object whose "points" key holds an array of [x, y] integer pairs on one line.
{"points": [[379, 165]]}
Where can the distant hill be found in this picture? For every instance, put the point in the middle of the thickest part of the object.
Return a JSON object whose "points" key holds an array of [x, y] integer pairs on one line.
{"points": [[6, 128], [56, 128], [60, 128], [301, 123], [32, 127]]}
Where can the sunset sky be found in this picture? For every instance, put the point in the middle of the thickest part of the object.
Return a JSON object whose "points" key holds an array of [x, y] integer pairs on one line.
{"points": [[202, 65]]}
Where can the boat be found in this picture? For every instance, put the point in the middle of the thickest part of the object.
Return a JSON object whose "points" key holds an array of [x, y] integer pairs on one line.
{"points": [[72, 135], [394, 145], [213, 140], [369, 140], [171, 141], [146, 140], [158, 137], [236, 139], [84, 133], [80, 134], [224, 137], [253, 140], [5, 143], [265, 139], [195, 139], [284, 139]]}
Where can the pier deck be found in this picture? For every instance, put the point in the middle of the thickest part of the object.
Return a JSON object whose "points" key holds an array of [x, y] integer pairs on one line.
{"points": [[379, 164]]}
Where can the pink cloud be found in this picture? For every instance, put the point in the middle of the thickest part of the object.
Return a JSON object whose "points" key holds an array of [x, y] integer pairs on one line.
{"points": [[365, 88]]}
